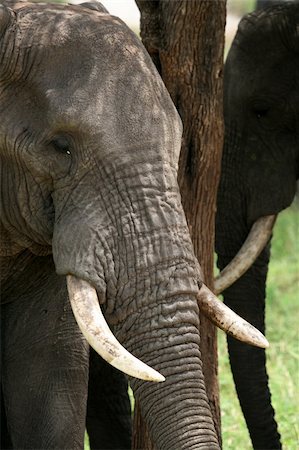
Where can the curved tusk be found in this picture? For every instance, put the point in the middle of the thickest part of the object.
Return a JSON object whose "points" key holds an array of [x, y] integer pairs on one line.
{"points": [[256, 240], [226, 319], [88, 314]]}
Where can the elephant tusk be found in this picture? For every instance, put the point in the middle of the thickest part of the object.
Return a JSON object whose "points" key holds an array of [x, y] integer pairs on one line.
{"points": [[88, 314], [226, 319], [257, 239]]}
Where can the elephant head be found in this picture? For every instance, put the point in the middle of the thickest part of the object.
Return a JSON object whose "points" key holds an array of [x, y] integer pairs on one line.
{"points": [[89, 143], [260, 167]]}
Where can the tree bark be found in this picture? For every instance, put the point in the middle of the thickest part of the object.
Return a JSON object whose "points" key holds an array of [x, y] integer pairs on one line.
{"points": [[185, 39]]}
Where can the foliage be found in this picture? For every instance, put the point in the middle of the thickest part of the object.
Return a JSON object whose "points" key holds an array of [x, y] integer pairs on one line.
{"points": [[240, 7], [86, 442], [282, 316]]}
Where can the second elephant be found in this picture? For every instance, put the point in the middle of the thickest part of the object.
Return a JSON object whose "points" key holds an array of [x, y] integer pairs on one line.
{"points": [[260, 167]]}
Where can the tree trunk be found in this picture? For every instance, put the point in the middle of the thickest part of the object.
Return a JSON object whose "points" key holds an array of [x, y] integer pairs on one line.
{"points": [[185, 39]]}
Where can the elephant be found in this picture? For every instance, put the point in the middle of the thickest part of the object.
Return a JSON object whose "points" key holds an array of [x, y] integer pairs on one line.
{"points": [[269, 3], [260, 166], [93, 233]]}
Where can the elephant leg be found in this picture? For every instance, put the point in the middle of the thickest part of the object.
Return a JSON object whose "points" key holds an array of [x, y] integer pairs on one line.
{"points": [[5, 440], [108, 420], [45, 372]]}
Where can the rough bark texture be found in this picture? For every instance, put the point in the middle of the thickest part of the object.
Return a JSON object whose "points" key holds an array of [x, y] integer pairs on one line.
{"points": [[185, 39]]}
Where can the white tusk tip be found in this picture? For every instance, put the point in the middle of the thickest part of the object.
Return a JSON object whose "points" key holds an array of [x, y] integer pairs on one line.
{"points": [[226, 319], [249, 335], [158, 378], [146, 373]]}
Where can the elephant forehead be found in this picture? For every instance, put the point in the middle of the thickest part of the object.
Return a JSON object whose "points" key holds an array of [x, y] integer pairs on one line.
{"points": [[112, 102], [85, 70], [66, 42], [76, 33], [64, 19], [263, 35], [88, 62]]}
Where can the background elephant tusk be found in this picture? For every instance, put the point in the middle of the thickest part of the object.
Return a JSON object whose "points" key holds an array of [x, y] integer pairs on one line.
{"points": [[226, 319], [257, 239], [88, 314]]}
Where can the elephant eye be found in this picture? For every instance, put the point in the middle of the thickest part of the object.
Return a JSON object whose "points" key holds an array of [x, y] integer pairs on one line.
{"points": [[62, 145], [261, 112]]}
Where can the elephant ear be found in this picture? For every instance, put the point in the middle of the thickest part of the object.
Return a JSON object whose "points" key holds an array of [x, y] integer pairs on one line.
{"points": [[6, 18]]}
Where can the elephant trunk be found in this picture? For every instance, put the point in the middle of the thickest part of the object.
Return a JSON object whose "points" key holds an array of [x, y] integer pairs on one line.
{"points": [[166, 337], [132, 245], [248, 364], [140, 260]]}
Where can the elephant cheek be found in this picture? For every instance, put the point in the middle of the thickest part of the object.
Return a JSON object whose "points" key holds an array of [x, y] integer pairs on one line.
{"points": [[268, 197]]}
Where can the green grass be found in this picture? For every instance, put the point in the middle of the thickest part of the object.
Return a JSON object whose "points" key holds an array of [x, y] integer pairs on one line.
{"points": [[240, 7], [282, 318]]}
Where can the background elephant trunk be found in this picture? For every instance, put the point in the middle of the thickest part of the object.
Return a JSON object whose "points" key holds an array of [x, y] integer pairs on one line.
{"points": [[247, 298], [166, 336]]}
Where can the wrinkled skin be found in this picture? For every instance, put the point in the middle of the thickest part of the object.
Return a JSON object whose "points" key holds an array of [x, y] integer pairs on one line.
{"points": [[89, 142], [259, 173]]}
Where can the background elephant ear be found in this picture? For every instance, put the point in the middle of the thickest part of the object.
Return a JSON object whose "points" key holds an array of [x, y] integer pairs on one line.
{"points": [[95, 6], [6, 17]]}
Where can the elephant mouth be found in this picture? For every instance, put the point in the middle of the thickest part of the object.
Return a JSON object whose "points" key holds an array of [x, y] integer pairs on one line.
{"points": [[256, 241], [86, 308]]}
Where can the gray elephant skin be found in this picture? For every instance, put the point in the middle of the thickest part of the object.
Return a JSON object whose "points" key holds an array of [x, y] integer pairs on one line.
{"points": [[260, 167], [89, 143]]}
